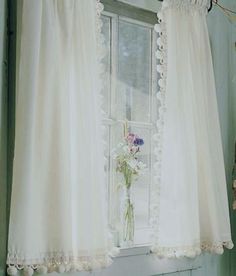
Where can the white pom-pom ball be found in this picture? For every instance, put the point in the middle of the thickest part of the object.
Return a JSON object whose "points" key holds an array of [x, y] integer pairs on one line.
{"points": [[42, 269], [11, 270], [234, 205], [191, 254], [28, 271], [234, 184], [61, 268], [219, 250], [160, 17], [229, 245], [178, 254], [157, 28], [115, 251]]}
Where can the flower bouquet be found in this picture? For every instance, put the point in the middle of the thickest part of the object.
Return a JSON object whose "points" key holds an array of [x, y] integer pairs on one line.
{"points": [[130, 167]]}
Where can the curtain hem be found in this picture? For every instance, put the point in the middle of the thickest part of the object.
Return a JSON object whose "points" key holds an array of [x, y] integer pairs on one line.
{"points": [[193, 250], [59, 262]]}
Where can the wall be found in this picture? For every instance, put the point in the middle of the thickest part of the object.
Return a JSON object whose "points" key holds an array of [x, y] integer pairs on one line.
{"points": [[3, 135], [222, 36]]}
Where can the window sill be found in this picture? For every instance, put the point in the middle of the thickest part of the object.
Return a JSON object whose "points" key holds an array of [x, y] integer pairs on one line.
{"points": [[134, 251], [139, 261]]}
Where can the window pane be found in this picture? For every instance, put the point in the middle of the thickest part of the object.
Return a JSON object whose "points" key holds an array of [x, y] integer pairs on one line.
{"points": [[106, 31], [134, 72], [116, 190], [128, 95]]}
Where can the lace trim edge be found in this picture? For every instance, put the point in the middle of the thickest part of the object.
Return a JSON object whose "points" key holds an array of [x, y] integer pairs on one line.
{"points": [[191, 251], [58, 262]]}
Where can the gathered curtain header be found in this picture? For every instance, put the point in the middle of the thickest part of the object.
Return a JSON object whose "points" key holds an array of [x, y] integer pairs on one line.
{"points": [[187, 4]]}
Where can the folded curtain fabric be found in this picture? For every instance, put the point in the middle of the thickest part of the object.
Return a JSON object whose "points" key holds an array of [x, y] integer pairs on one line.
{"points": [[189, 201], [58, 218]]}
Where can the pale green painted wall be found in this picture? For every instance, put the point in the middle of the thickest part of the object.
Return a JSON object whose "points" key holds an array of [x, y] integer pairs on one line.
{"points": [[3, 135], [222, 36]]}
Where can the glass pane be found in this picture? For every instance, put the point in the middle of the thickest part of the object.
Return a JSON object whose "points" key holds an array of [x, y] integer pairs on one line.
{"points": [[116, 178], [134, 72], [106, 31]]}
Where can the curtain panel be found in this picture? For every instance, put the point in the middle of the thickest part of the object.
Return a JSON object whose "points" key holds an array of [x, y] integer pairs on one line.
{"points": [[58, 218], [189, 204]]}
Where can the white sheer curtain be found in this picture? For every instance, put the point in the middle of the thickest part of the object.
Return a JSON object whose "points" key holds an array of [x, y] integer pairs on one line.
{"points": [[190, 206], [58, 218]]}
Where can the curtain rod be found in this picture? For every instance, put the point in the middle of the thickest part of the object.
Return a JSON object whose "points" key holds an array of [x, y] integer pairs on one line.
{"points": [[209, 9]]}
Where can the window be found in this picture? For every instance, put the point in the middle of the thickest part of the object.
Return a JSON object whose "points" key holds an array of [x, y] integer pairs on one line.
{"points": [[130, 89]]}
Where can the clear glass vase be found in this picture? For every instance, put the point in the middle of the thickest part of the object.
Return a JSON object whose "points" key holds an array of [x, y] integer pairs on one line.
{"points": [[128, 222]]}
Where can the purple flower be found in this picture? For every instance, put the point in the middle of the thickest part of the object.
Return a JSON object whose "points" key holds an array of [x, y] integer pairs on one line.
{"points": [[138, 142]]}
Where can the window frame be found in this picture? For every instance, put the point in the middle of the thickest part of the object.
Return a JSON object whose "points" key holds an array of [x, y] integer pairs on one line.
{"points": [[130, 11], [116, 11]]}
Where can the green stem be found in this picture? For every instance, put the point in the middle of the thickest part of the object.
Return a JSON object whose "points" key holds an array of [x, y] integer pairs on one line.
{"points": [[129, 222]]}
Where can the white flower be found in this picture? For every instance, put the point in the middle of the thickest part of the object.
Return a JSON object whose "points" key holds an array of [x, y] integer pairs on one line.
{"points": [[141, 165], [133, 163]]}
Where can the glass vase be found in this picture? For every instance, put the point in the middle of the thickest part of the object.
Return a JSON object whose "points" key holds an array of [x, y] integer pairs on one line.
{"points": [[128, 219]]}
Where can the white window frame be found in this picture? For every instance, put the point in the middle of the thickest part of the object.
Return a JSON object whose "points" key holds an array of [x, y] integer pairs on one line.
{"points": [[142, 235]]}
